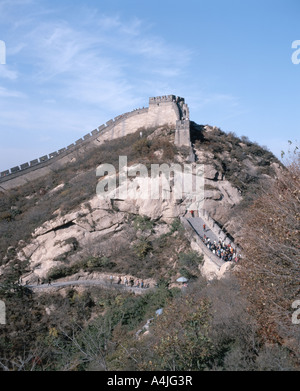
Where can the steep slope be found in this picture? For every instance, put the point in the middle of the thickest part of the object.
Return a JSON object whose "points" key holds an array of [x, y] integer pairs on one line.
{"points": [[66, 222], [234, 169], [58, 227]]}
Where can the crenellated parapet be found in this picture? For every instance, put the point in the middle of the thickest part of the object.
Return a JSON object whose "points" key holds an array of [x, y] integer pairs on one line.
{"points": [[168, 110], [70, 148], [165, 99]]}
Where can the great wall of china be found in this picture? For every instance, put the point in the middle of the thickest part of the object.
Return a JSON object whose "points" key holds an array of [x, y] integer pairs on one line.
{"points": [[163, 110], [167, 110]]}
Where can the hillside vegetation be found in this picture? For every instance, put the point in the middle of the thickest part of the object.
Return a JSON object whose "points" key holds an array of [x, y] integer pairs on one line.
{"points": [[225, 324]]}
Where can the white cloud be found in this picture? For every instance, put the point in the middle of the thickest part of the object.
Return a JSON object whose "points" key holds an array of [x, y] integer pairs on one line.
{"points": [[12, 51], [76, 76], [5, 93], [105, 66], [7, 73]]}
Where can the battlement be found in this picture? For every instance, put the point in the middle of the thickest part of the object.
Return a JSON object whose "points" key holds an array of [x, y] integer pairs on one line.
{"points": [[70, 148], [168, 110], [165, 99]]}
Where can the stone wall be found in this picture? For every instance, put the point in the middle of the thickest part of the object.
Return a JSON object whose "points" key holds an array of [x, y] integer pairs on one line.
{"points": [[216, 229], [182, 133], [163, 110], [192, 234]]}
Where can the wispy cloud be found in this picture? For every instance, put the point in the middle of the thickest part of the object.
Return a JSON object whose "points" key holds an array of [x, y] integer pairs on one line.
{"points": [[7, 73], [5, 93], [107, 65], [78, 72]]}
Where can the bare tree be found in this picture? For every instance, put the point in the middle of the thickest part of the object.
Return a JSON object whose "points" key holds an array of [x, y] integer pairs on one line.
{"points": [[31, 359], [88, 346], [271, 264]]}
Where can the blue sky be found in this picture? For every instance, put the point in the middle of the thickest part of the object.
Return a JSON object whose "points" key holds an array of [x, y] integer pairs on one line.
{"points": [[73, 65]]}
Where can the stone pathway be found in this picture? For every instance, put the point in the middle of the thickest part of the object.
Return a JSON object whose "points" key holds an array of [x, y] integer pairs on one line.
{"points": [[102, 283], [197, 224]]}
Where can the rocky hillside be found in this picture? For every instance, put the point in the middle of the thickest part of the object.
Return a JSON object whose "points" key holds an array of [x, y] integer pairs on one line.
{"points": [[235, 168], [57, 227], [56, 222]]}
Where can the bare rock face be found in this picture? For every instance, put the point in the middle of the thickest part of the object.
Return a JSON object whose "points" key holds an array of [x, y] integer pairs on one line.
{"points": [[137, 197], [211, 271], [219, 196], [216, 185], [225, 269], [211, 173], [54, 241]]}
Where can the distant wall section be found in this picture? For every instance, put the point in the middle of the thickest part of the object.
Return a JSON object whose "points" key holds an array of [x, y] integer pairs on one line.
{"points": [[163, 110]]}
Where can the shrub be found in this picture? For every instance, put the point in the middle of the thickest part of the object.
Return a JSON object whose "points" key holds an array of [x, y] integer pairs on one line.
{"points": [[93, 262], [143, 223], [191, 259], [142, 248], [271, 253], [167, 147], [176, 226], [5, 216], [142, 146], [186, 273], [57, 272]]}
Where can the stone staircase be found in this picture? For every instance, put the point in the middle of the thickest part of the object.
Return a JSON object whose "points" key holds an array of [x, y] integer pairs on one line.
{"points": [[194, 230]]}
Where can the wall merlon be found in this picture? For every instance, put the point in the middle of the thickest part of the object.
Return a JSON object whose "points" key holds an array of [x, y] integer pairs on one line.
{"points": [[79, 141], [161, 99], [24, 166], [15, 169], [53, 154], [100, 128], [4, 173], [185, 111], [34, 162], [61, 150], [43, 158], [87, 136], [134, 113]]}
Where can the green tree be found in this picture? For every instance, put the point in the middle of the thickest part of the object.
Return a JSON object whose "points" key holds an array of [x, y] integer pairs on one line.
{"points": [[142, 248]]}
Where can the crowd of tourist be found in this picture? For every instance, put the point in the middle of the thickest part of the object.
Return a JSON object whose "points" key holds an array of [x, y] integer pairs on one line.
{"points": [[129, 282], [222, 250]]}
